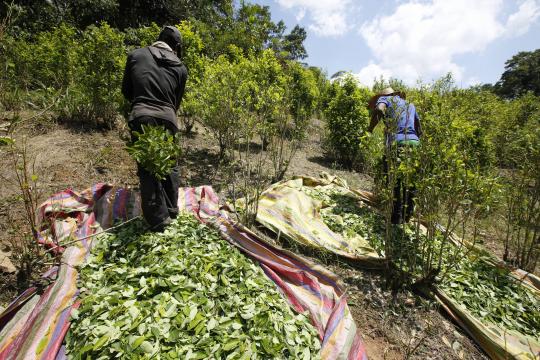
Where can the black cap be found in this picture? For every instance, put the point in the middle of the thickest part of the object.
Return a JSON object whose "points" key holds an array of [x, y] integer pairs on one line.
{"points": [[171, 35]]}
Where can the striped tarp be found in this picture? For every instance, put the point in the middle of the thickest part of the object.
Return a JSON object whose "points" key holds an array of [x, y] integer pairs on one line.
{"points": [[287, 211], [34, 325], [306, 285]]}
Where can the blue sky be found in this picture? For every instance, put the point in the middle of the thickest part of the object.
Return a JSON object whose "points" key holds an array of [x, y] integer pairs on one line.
{"points": [[413, 39]]}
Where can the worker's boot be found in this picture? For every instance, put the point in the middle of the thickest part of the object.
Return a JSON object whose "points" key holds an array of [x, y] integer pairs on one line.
{"points": [[161, 226]]}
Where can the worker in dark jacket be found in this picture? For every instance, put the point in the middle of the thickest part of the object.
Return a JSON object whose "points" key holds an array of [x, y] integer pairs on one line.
{"points": [[402, 131], [154, 83]]}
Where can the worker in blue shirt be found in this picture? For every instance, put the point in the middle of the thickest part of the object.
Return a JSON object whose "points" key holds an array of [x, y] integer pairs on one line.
{"points": [[402, 130]]}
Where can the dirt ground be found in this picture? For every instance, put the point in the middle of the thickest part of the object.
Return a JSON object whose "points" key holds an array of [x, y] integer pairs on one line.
{"points": [[71, 156]]}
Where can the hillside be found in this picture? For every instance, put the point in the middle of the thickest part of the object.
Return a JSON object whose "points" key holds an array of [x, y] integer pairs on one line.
{"points": [[77, 157]]}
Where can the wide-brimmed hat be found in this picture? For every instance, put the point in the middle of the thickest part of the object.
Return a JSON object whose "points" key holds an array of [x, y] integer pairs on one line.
{"points": [[385, 92]]}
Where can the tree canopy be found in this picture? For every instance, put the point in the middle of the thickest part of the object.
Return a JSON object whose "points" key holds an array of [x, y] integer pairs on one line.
{"points": [[38, 15], [221, 23], [521, 75]]}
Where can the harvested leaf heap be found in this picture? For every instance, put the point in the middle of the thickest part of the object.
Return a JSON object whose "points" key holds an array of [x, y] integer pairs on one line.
{"points": [[156, 150], [493, 296], [488, 292], [185, 293], [343, 215]]}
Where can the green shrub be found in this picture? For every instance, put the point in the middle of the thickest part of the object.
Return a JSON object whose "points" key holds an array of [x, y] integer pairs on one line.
{"points": [[518, 145], [248, 99], [49, 60], [513, 138], [55, 58], [215, 100], [347, 120], [142, 36], [87, 68], [38, 71], [15, 62], [303, 91], [323, 85], [11, 98], [196, 62], [103, 57]]}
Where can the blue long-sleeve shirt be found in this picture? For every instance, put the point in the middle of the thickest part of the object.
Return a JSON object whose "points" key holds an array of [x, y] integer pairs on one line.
{"points": [[402, 116]]}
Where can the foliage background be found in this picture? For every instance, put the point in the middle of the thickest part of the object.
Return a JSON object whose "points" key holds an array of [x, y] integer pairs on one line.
{"points": [[248, 86]]}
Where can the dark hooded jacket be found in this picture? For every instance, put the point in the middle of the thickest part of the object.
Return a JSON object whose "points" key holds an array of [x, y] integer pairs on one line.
{"points": [[154, 82]]}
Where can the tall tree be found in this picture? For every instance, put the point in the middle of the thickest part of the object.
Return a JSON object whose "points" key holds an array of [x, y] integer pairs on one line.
{"points": [[521, 75], [143, 12], [220, 23], [252, 30], [38, 15], [293, 43]]}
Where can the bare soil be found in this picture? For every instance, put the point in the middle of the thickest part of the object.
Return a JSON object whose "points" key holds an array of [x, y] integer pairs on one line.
{"points": [[404, 325], [71, 156]]}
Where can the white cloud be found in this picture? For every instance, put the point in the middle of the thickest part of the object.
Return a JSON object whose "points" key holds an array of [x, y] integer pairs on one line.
{"points": [[520, 22], [300, 15], [420, 40], [327, 17], [368, 74]]}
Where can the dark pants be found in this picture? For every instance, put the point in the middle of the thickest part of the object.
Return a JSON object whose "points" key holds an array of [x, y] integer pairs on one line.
{"points": [[403, 204], [403, 193], [159, 198]]}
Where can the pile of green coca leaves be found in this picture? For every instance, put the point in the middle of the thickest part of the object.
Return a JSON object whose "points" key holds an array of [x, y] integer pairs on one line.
{"points": [[489, 292], [182, 294], [343, 214], [156, 150], [492, 295]]}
